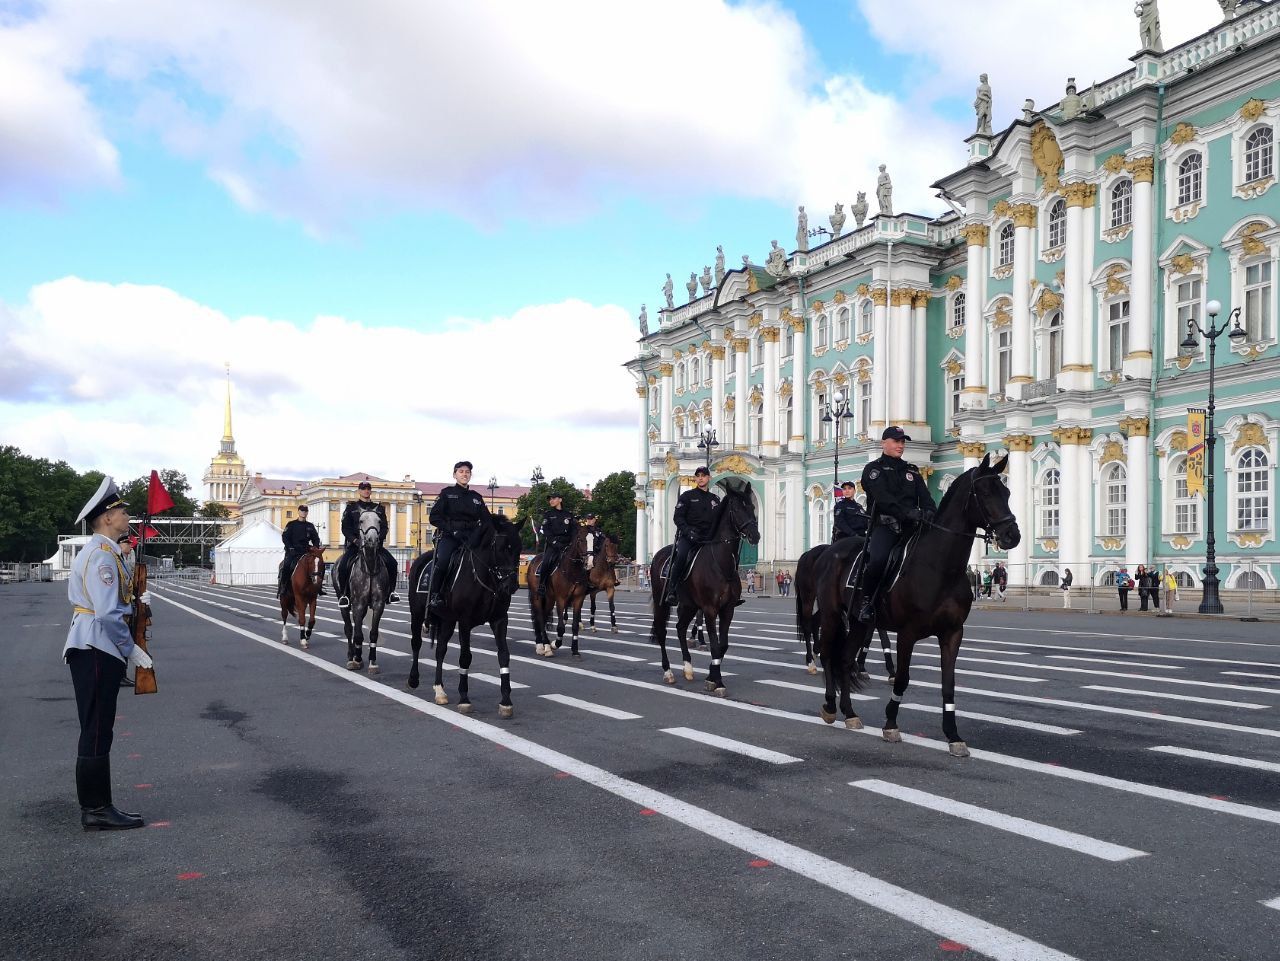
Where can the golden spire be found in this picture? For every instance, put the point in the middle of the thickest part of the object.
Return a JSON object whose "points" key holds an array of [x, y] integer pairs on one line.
{"points": [[226, 419]]}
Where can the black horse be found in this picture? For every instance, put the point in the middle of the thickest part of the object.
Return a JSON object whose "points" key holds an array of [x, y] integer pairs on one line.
{"points": [[808, 570], [712, 587], [929, 597], [480, 594]]}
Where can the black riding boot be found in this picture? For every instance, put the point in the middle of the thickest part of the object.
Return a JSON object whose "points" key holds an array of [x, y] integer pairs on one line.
{"points": [[93, 787], [280, 581], [344, 573]]}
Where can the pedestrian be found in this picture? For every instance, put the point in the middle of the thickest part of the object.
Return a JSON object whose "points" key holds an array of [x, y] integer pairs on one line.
{"points": [[779, 579], [1153, 586], [1140, 582], [99, 647], [751, 582], [975, 581], [1123, 584], [1170, 590], [786, 583], [986, 582], [1000, 579], [1066, 588]]}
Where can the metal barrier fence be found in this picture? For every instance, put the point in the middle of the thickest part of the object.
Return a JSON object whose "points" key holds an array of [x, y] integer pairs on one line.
{"points": [[11, 573]]}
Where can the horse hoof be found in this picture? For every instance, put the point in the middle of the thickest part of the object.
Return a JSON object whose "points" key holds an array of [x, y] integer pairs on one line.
{"points": [[718, 690], [441, 697], [864, 676], [688, 673], [892, 735], [374, 669], [539, 649], [669, 677], [853, 723], [577, 655], [464, 707], [506, 711], [828, 716], [303, 644], [958, 749], [813, 668], [613, 630], [888, 680], [549, 651], [353, 665], [413, 683]]}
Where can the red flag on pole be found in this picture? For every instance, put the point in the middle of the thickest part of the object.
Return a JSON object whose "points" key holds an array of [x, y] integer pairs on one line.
{"points": [[158, 498]]}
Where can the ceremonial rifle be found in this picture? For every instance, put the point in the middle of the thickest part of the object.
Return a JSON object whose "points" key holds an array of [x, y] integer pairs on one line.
{"points": [[158, 499]]}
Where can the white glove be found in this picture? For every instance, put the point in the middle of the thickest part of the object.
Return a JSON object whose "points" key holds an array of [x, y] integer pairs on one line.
{"points": [[145, 598], [140, 658]]}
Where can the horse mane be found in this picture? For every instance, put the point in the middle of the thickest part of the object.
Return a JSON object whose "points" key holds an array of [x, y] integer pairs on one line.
{"points": [[965, 480]]}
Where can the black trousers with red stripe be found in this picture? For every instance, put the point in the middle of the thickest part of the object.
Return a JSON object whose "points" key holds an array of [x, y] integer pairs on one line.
{"points": [[96, 677]]}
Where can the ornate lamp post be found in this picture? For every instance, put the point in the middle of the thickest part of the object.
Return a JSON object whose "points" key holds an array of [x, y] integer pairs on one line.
{"points": [[837, 414], [493, 486], [1209, 601], [706, 441], [536, 478]]}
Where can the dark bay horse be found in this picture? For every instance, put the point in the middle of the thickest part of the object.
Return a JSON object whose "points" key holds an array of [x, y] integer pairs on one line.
{"points": [[480, 594], [567, 588], [603, 576], [712, 587], [930, 596], [367, 590], [300, 593], [808, 571]]}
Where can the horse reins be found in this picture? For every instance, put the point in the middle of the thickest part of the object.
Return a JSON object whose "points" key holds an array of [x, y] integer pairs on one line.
{"points": [[989, 526]]}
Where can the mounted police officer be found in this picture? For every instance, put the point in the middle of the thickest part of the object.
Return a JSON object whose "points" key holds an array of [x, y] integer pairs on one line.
{"points": [[850, 519], [460, 517], [558, 529], [694, 518], [899, 500], [299, 535], [351, 535], [98, 649]]}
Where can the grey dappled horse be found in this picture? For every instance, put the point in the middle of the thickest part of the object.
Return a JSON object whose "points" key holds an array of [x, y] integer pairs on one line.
{"points": [[367, 592]]}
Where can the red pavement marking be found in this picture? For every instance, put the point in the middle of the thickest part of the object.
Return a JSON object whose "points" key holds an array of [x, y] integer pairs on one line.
{"points": [[647, 811], [158, 824], [190, 876], [134, 757], [562, 774], [1219, 797], [760, 863], [948, 945], [126, 734], [143, 787]]}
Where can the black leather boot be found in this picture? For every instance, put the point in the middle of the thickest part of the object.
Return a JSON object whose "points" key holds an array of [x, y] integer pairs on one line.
{"points": [[93, 786]]}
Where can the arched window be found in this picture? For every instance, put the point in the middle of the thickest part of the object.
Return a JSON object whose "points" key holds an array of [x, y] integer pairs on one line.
{"points": [[1115, 497], [788, 340], [1049, 579], [679, 376], [1187, 297], [785, 420], [1058, 224], [1117, 333], [1003, 360], [865, 317], [1257, 301], [821, 532], [957, 310], [842, 324], [1190, 179], [695, 373], [692, 426], [1253, 495], [822, 332], [1004, 250], [864, 406], [1186, 509], [757, 351], [1122, 203], [1259, 155], [1053, 338], [1050, 499], [756, 427], [1250, 581]]}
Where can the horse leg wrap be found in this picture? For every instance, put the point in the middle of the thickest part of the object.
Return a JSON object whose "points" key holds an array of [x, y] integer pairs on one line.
{"points": [[504, 670], [896, 697], [715, 662]]}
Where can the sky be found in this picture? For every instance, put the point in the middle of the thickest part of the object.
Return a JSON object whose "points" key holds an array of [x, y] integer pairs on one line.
{"points": [[421, 231]]}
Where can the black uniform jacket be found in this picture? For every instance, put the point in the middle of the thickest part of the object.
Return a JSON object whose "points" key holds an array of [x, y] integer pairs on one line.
{"points": [[299, 535], [850, 520], [351, 519], [894, 487], [695, 514], [558, 526], [458, 509]]}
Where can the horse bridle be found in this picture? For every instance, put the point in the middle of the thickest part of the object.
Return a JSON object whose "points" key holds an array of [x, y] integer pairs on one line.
{"points": [[990, 527]]}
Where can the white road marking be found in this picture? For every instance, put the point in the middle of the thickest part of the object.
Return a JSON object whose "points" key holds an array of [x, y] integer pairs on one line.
{"points": [[1274, 903], [674, 663], [983, 937], [430, 662], [611, 712], [1081, 843], [1175, 697], [1268, 677], [1137, 637], [1107, 650], [1221, 758], [1103, 660], [729, 744]]}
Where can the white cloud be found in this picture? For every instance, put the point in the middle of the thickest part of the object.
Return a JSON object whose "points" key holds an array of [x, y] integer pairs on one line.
{"points": [[124, 378]]}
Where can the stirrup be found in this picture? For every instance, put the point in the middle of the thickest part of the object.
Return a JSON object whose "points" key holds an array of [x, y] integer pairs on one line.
{"points": [[394, 598], [435, 600], [344, 602], [866, 612]]}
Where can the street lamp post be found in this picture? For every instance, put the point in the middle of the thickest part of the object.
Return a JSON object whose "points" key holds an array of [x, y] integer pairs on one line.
{"points": [[493, 486], [836, 414], [1209, 601], [706, 441], [537, 477]]}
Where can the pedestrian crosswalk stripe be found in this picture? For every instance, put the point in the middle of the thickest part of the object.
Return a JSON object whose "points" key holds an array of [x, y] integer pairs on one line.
{"points": [[729, 744], [610, 712], [1175, 697], [1221, 758]]}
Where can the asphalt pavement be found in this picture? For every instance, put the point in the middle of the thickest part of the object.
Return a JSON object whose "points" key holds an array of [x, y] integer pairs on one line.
{"points": [[1122, 800]]}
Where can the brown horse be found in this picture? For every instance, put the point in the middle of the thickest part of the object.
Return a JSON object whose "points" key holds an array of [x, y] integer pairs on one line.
{"points": [[603, 576], [568, 588], [300, 593]]}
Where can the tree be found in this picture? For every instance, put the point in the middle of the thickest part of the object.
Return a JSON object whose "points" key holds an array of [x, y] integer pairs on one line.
{"points": [[175, 482], [533, 503], [613, 500], [38, 499], [213, 509]]}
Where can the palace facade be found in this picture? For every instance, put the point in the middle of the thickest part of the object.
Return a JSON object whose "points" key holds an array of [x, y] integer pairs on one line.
{"points": [[1041, 318]]}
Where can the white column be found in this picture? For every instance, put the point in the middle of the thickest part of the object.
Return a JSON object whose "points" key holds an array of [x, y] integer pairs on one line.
{"points": [[879, 357], [642, 534], [919, 369], [769, 430], [900, 356], [1138, 510], [715, 357], [1139, 359], [975, 371], [1019, 446], [741, 392], [1088, 248], [972, 452], [799, 385], [661, 522], [1070, 553], [642, 452], [665, 371], [1024, 221], [1075, 373]]}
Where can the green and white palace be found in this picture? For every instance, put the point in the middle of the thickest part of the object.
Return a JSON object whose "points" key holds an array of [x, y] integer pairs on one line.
{"points": [[1040, 317]]}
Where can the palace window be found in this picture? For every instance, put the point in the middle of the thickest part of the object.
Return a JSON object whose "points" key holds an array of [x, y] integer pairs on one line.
{"points": [[1117, 333], [865, 317], [957, 310], [821, 430], [786, 420], [1054, 339], [757, 351], [1259, 155], [695, 373], [756, 427], [653, 400], [1190, 179], [788, 340], [1186, 509], [1114, 499], [842, 324], [1257, 301], [864, 405], [955, 389], [1253, 497], [679, 376], [821, 332], [1122, 203], [1004, 249], [1187, 298], [1058, 224], [730, 360], [1004, 360], [1050, 500]]}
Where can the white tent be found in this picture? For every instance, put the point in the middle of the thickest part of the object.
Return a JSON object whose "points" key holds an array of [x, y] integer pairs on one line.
{"points": [[251, 555]]}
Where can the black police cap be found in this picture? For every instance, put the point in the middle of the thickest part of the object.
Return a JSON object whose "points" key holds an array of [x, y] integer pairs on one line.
{"points": [[847, 484], [364, 486], [894, 433]]}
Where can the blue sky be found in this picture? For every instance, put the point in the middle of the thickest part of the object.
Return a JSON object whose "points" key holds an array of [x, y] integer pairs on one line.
{"points": [[446, 172]]}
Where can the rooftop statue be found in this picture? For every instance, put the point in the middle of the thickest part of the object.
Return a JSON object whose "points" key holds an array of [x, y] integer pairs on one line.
{"points": [[982, 106], [719, 265], [776, 264], [802, 230], [1072, 105], [837, 221], [705, 280], [667, 290], [859, 209], [644, 321], [1149, 25], [884, 192]]}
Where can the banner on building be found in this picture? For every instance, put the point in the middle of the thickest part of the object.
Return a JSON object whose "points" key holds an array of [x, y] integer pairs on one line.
{"points": [[1195, 451]]}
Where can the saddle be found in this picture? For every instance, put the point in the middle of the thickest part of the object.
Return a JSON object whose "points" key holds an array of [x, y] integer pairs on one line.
{"points": [[891, 569], [665, 573], [450, 575]]}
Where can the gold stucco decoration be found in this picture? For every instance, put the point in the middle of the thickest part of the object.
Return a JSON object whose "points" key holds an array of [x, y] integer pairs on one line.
{"points": [[1183, 263], [839, 297], [1143, 169], [1050, 544], [1047, 301], [1183, 133], [1248, 540], [1178, 440], [1249, 238], [1253, 109], [785, 390], [817, 306], [658, 484], [754, 321], [730, 404], [1181, 542], [666, 370], [678, 354], [1251, 435], [740, 344], [971, 449], [1114, 164], [1046, 155], [733, 464], [864, 375], [880, 297], [863, 290], [1002, 317], [1135, 426], [1019, 443], [841, 379], [954, 367], [753, 285], [1115, 283], [671, 464], [955, 282], [1024, 215], [1112, 450], [716, 351], [977, 235], [1079, 194], [1112, 543]]}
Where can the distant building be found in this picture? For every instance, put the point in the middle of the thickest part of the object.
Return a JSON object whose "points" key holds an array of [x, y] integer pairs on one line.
{"points": [[224, 481]]}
